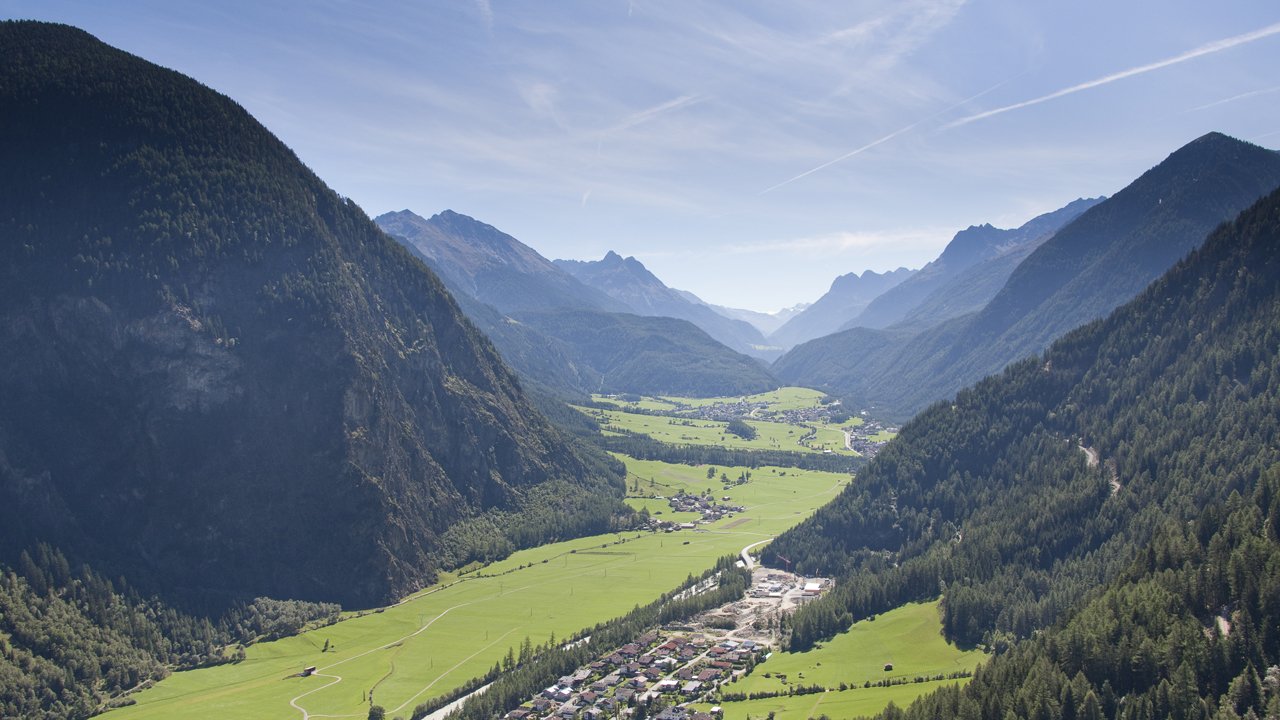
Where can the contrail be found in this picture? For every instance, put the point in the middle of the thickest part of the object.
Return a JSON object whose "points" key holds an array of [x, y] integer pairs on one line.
{"points": [[1210, 48], [649, 113], [886, 138], [1234, 98]]}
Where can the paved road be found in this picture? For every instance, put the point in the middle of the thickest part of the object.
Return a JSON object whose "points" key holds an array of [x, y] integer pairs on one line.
{"points": [[746, 553]]}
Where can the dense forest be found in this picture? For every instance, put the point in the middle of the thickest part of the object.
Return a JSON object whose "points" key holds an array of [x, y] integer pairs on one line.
{"points": [[73, 642], [1093, 511], [651, 355]]}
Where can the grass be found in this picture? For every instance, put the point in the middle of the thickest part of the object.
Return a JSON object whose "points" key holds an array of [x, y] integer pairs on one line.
{"points": [[437, 639], [780, 400], [836, 703], [908, 637], [685, 431]]}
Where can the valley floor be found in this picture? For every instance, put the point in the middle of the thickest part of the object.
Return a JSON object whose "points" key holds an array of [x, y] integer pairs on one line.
{"points": [[436, 640]]}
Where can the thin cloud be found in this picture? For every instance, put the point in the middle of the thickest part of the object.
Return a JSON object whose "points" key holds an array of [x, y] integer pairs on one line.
{"points": [[824, 245], [1208, 49], [486, 13]]}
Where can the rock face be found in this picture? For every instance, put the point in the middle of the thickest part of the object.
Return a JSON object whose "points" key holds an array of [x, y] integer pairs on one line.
{"points": [[217, 377]]}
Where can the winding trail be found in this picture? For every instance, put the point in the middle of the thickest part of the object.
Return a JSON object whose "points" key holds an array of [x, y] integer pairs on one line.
{"points": [[338, 678], [294, 702]]}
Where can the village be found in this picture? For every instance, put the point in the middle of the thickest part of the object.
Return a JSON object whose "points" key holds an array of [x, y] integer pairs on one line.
{"points": [[666, 672], [867, 438]]}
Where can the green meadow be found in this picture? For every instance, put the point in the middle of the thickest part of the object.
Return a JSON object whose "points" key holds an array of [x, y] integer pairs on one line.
{"points": [[883, 436], [437, 639], [835, 703], [780, 400], [909, 638], [688, 431]]}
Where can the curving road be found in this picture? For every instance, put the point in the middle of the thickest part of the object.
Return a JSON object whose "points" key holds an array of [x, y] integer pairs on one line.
{"points": [[746, 553]]}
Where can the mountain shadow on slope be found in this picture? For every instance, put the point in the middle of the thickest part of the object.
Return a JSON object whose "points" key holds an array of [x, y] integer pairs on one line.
{"points": [[651, 355], [220, 379]]}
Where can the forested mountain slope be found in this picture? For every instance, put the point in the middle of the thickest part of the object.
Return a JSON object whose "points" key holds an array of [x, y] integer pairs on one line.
{"points": [[649, 355], [1120, 494], [1087, 268], [220, 379]]}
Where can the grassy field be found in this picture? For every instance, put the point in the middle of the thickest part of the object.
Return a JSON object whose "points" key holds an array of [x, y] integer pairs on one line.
{"points": [[780, 400], [770, 494], [884, 436], [438, 639], [683, 431], [908, 637], [835, 704]]}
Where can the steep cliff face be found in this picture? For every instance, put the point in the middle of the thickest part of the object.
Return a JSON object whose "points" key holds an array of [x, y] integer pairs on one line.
{"points": [[216, 375]]}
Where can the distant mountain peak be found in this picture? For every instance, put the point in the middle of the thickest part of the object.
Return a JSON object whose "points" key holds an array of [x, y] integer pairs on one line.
{"points": [[479, 260], [628, 281]]}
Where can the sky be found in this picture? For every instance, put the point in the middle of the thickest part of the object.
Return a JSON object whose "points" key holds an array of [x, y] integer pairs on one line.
{"points": [[748, 151]]}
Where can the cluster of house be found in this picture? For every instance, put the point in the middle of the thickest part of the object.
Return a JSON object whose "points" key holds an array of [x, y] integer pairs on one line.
{"points": [[705, 504], [723, 412], [860, 438], [678, 667]]}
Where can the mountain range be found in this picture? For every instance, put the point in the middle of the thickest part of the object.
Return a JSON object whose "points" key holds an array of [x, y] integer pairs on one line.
{"points": [[848, 296], [628, 281], [1088, 267], [569, 338], [1106, 516], [970, 270]]}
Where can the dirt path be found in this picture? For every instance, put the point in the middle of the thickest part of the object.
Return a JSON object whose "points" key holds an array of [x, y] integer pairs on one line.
{"points": [[1091, 455], [1092, 459], [294, 702]]}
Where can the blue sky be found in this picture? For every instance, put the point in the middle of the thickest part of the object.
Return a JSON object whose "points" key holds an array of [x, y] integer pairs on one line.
{"points": [[746, 151]]}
